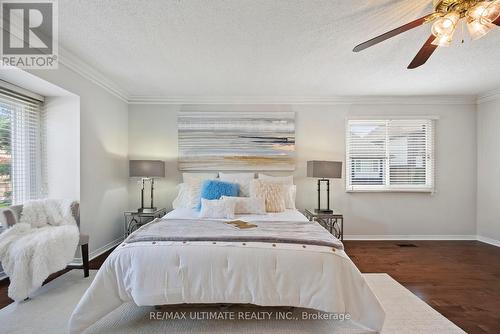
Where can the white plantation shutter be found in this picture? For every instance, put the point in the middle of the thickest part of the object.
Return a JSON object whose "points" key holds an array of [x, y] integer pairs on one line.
{"points": [[390, 155], [20, 149]]}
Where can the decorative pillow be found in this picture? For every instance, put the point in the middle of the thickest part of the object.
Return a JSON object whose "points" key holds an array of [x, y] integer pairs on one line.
{"points": [[277, 179], [183, 198], [246, 205], [290, 190], [272, 193], [214, 189], [290, 193], [217, 208], [243, 179], [197, 177], [194, 181]]}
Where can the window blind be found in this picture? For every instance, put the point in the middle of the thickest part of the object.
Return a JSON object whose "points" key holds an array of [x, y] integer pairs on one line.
{"points": [[20, 148], [390, 155]]}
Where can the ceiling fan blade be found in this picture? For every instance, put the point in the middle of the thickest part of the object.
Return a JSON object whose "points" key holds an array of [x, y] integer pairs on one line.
{"points": [[392, 33], [424, 54], [497, 21]]}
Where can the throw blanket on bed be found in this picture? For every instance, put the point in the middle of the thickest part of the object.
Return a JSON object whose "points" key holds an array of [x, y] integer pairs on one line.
{"points": [[42, 243], [290, 232]]}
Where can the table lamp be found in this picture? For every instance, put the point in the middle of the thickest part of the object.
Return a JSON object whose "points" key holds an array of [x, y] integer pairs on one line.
{"points": [[147, 170], [324, 170]]}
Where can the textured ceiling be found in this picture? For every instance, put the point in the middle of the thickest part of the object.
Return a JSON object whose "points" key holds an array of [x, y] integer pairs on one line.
{"points": [[269, 48]]}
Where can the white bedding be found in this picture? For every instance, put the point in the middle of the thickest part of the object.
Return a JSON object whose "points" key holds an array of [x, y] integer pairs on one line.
{"points": [[173, 272]]}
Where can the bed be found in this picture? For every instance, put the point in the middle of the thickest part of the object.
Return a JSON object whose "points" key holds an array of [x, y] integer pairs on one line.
{"points": [[307, 269]]}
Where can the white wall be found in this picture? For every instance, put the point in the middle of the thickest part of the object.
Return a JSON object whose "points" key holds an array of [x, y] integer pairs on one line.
{"points": [[103, 156], [320, 135], [62, 142], [488, 175]]}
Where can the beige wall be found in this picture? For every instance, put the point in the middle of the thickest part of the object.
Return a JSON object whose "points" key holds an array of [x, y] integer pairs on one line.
{"points": [[488, 170], [320, 135]]}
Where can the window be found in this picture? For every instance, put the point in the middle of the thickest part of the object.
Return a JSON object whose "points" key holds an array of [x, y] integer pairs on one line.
{"points": [[20, 148], [390, 155]]}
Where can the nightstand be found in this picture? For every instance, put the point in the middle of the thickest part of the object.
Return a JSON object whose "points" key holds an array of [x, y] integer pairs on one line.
{"points": [[135, 219], [333, 221]]}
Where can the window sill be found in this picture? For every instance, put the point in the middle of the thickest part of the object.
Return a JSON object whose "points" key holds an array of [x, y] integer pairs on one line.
{"points": [[428, 191]]}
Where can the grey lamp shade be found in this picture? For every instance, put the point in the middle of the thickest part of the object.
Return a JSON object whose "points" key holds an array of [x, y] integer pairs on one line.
{"points": [[146, 168], [324, 169]]}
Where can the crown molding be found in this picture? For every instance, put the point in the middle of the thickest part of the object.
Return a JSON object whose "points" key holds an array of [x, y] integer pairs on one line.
{"points": [[492, 95], [77, 65], [404, 100]]}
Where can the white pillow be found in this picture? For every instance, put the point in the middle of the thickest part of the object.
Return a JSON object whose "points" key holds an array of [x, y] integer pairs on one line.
{"points": [[217, 208], [243, 179], [290, 195], [277, 179], [198, 177], [183, 197], [194, 182], [246, 205]]}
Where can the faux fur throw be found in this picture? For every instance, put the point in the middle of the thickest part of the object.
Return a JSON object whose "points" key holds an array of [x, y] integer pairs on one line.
{"points": [[43, 242], [45, 212]]}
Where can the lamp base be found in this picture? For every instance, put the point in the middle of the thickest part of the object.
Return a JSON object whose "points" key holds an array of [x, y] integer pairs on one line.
{"points": [[323, 211], [147, 210]]}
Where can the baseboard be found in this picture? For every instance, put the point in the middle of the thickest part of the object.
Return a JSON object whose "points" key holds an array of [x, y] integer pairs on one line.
{"points": [[409, 237], [101, 250], [487, 240]]}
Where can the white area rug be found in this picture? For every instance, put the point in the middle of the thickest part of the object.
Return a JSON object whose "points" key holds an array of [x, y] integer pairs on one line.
{"points": [[49, 310]]}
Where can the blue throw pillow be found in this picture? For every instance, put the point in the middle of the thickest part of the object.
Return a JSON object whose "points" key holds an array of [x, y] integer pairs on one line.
{"points": [[214, 189]]}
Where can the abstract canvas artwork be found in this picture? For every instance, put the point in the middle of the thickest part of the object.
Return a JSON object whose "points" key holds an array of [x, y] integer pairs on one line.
{"points": [[253, 141]]}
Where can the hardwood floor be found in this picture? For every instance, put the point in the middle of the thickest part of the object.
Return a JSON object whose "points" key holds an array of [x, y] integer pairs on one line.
{"points": [[460, 279]]}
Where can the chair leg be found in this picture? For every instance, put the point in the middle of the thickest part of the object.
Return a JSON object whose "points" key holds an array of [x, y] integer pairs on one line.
{"points": [[85, 259]]}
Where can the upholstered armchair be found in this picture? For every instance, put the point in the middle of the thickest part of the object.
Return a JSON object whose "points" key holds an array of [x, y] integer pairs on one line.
{"points": [[13, 213]]}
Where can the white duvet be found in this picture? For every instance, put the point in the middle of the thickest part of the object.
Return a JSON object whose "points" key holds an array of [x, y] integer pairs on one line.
{"points": [[173, 272]]}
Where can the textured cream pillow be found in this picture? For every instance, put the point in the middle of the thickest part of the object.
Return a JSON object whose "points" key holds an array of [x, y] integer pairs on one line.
{"points": [[277, 179], [246, 205], [272, 193], [289, 191]]}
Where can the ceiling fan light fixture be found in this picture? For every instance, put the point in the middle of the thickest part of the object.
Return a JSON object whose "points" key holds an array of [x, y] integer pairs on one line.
{"points": [[480, 16], [491, 12], [477, 11], [485, 12], [446, 25], [444, 40], [478, 29]]}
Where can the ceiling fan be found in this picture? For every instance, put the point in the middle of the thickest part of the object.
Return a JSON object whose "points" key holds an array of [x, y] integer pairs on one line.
{"points": [[480, 16]]}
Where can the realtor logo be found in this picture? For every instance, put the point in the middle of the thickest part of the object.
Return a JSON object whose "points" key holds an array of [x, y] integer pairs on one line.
{"points": [[29, 34]]}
